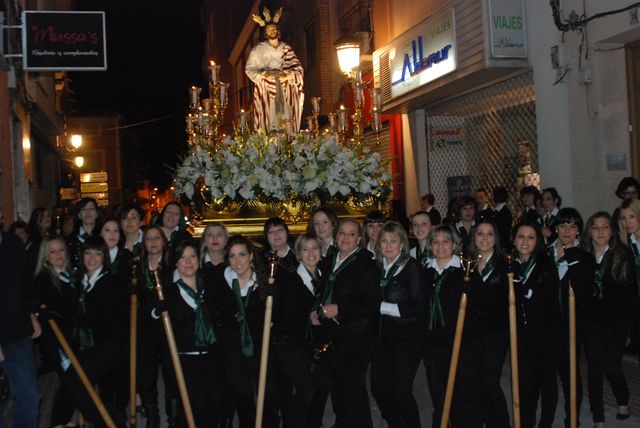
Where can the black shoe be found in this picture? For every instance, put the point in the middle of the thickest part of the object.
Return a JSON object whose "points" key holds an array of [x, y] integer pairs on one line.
{"points": [[622, 416]]}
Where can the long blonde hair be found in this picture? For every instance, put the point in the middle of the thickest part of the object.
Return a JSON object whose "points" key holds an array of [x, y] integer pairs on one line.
{"points": [[43, 264], [632, 205]]}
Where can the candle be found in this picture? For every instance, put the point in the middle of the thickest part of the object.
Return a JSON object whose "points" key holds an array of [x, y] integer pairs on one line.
{"points": [[206, 105], [359, 94], [223, 93], [243, 119], [376, 96], [195, 93], [189, 123], [376, 119], [343, 118], [310, 123], [332, 121], [215, 69], [289, 125], [315, 102]]}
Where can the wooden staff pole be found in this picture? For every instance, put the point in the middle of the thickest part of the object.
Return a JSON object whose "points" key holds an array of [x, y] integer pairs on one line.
{"points": [[81, 374], [133, 346], [573, 374], [453, 366], [513, 339], [266, 335], [175, 358]]}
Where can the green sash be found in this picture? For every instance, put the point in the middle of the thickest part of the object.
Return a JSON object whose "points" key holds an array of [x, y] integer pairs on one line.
{"points": [[436, 315], [204, 334], [246, 342]]}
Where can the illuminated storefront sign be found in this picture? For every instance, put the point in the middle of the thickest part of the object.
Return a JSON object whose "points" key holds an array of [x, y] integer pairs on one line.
{"points": [[424, 53]]}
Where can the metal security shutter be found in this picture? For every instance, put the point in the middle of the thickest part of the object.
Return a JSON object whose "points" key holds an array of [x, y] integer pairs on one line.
{"points": [[485, 138]]}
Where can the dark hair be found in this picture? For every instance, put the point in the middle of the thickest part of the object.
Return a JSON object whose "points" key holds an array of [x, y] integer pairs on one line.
{"points": [[183, 246], [619, 266], [375, 216], [239, 240], [121, 236], [164, 261], [530, 190], [333, 218], [500, 194], [76, 212], [554, 194], [482, 190], [473, 250], [624, 183], [19, 224], [429, 198], [272, 222], [129, 207], [536, 228], [182, 224], [258, 262], [94, 243], [35, 234], [570, 215], [463, 201]]}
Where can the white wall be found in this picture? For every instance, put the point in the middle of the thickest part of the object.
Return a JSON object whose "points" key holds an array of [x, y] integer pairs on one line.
{"points": [[579, 125]]}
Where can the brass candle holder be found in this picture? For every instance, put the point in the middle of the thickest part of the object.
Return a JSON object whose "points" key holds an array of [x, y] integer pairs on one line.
{"points": [[469, 265]]}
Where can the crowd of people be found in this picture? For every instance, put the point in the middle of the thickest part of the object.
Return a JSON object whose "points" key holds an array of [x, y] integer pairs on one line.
{"points": [[349, 297]]}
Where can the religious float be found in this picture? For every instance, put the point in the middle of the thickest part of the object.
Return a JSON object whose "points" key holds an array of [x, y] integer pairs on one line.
{"points": [[277, 169]]}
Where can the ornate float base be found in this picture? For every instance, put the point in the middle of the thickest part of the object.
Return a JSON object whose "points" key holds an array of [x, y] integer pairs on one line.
{"points": [[248, 218]]}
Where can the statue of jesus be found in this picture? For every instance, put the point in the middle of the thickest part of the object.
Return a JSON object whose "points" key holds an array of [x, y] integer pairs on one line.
{"points": [[278, 77]]}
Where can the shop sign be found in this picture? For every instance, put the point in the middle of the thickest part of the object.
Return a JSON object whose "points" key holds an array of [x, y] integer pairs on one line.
{"points": [[93, 177], [68, 193], [424, 53], [507, 29], [94, 187], [53, 41]]}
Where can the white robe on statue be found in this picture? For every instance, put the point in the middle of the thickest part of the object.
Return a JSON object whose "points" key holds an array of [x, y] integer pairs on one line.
{"points": [[268, 109]]}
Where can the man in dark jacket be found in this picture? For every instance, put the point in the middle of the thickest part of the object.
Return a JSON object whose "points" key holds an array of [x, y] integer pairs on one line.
{"points": [[18, 327]]}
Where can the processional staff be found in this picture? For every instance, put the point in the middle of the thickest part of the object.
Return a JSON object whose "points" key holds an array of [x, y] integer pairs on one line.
{"points": [[266, 333], [173, 349], [133, 340], [468, 265], [80, 371]]}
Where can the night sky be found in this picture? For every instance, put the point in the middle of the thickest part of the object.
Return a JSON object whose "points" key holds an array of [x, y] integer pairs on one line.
{"points": [[154, 50]]}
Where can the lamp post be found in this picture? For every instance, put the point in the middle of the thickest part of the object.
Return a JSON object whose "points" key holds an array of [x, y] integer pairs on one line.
{"points": [[348, 51]]}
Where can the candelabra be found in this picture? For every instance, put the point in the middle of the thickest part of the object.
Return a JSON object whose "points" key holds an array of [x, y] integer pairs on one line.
{"points": [[315, 104], [205, 118]]}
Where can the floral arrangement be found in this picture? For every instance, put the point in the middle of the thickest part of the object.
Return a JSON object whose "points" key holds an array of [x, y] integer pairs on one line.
{"points": [[267, 168]]}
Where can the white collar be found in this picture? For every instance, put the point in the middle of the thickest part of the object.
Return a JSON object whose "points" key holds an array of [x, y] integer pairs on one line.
{"points": [[460, 224], [113, 253], [454, 261], [634, 240], [140, 235], [499, 206], [484, 207], [601, 256], [388, 266], [207, 257], [230, 275], [552, 213], [339, 261], [89, 283], [305, 276]]}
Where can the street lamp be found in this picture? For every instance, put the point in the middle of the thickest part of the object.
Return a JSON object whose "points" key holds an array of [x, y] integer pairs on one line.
{"points": [[79, 161], [348, 51], [76, 141]]}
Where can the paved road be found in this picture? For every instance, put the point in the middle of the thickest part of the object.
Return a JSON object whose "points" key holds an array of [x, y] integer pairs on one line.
{"points": [[630, 367]]}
